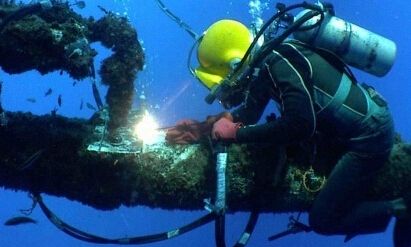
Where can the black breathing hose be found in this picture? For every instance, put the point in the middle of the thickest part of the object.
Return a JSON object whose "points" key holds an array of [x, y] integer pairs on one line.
{"points": [[272, 19]]}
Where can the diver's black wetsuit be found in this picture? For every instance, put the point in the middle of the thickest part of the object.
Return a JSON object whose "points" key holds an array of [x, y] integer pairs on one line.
{"points": [[315, 94]]}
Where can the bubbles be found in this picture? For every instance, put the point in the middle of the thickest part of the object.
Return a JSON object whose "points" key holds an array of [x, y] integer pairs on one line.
{"points": [[256, 8], [142, 96], [125, 4]]}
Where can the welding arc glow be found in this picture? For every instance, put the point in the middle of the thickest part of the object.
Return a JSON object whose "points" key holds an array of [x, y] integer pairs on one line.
{"points": [[146, 129]]}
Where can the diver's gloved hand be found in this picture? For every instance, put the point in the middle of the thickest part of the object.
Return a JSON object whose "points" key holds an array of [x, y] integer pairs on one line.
{"points": [[191, 131], [186, 131], [225, 130]]}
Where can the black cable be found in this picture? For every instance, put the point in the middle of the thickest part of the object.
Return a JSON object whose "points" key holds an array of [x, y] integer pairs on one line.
{"points": [[296, 26], [177, 20], [271, 44], [87, 237], [220, 231], [252, 221], [264, 28], [190, 55]]}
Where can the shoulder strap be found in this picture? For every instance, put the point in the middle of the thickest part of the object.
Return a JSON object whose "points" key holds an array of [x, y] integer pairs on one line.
{"points": [[330, 56]]}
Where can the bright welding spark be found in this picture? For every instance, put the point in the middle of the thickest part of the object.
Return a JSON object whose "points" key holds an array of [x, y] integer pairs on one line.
{"points": [[147, 129]]}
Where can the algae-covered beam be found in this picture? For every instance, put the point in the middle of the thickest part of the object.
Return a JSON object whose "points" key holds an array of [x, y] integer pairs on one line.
{"points": [[161, 175]]}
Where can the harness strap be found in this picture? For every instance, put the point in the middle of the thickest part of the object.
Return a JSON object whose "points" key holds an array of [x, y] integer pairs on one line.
{"points": [[339, 97]]}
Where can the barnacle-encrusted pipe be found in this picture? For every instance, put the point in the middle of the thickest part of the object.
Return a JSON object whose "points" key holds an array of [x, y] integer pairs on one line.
{"points": [[169, 176]]}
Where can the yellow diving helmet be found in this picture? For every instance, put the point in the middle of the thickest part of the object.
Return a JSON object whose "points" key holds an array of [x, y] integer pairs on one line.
{"points": [[224, 42]]}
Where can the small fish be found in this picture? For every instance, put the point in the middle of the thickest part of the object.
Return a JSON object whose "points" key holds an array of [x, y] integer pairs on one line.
{"points": [[31, 100], [59, 100], [80, 4], [48, 92], [81, 104], [91, 107], [19, 220]]}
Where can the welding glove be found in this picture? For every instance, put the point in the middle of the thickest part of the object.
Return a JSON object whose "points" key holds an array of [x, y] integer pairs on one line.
{"points": [[186, 131], [225, 130], [189, 131]]}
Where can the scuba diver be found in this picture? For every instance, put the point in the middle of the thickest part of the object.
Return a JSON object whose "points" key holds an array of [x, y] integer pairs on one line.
{"points": [[316, 93]]}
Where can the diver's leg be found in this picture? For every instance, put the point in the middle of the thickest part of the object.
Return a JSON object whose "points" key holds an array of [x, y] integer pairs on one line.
{"points": [[339, 208]]}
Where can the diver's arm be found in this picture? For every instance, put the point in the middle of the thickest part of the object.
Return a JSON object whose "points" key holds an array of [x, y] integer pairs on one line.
{"points": [[250, 112], [297, 121]]}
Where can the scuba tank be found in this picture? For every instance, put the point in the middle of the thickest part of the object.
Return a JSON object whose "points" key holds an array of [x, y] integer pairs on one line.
{"points": [[316, 26], [355, 45]]}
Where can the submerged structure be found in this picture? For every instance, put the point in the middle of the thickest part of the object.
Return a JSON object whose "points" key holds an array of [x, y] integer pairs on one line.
{"points": [[263, 177], [170, 177], [52, 37]]}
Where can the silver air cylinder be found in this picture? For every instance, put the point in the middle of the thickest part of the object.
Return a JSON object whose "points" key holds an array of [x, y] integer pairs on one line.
{"points": [[355, 45]]}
